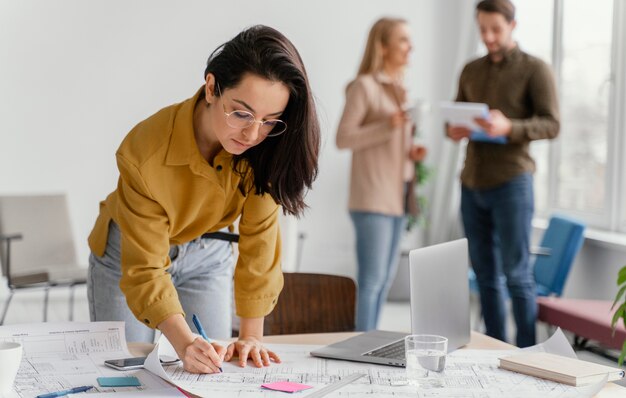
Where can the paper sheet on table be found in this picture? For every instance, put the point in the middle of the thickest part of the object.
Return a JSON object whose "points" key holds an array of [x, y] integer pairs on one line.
{"points": [[468, 373], [61, 355]]}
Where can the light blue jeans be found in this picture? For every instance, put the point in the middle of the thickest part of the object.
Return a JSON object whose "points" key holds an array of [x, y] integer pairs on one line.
{"points": [[377, 240], [201, 270]]}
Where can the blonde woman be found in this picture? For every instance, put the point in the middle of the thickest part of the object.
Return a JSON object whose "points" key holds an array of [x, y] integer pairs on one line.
{"points": [[375, 126]]}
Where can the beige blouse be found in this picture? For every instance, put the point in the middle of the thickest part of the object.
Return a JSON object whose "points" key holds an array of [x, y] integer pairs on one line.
{"points": [[380, 152]]}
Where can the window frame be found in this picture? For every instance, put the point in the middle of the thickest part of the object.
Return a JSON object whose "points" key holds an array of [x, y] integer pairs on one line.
{"points": [[613, 216]]}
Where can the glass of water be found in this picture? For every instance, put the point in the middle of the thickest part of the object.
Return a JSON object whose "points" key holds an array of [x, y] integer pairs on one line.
{"points": [[425, 353]]}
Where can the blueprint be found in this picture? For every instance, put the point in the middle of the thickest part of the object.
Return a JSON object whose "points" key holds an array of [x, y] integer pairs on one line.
{"points": [[59, 356], [468, 373]]}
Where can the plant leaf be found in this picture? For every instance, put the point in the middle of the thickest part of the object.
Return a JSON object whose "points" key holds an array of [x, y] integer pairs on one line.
{"points": [[619, 296], [621, 276], [620, 361], [618, 313]]}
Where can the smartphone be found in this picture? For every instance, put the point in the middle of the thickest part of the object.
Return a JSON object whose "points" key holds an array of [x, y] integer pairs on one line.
{"points": [[126, 363], [137, 362]]}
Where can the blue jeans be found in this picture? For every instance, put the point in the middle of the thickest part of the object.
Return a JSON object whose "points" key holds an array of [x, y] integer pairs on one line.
{"points": [[497, 224], [201, 271], [377, 240]]}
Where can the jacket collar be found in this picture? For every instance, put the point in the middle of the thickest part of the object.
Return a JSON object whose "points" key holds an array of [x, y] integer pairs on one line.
{"points": [[182, 142], [183, 149], [384, 78]]}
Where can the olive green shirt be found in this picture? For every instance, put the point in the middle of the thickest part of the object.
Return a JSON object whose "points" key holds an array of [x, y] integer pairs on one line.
{"points": [[522, 87], [168, 194]]}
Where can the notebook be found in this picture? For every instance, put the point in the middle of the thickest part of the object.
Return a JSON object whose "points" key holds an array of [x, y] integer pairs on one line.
{"points": [[571, 371], [439, 305]]}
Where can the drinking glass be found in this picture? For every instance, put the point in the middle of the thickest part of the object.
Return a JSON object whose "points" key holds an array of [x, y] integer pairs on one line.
{"points": [[425, 353]]}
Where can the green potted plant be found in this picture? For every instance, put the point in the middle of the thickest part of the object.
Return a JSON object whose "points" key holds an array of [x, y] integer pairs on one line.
{"points": [[620, 312], [423, 174]]}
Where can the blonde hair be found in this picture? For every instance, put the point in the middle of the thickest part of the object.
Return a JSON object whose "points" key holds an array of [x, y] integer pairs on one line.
{"points": [[378, 37]]}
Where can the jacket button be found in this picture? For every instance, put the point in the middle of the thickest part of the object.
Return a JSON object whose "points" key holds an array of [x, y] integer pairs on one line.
{"points": [[219, 167]]}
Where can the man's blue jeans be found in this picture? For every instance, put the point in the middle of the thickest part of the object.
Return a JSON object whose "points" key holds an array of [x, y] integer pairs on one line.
{"points": [[377, 240], [497, 224]]}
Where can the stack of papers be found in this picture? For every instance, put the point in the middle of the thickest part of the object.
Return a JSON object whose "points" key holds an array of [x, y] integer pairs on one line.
{"points": [[571, 371]]}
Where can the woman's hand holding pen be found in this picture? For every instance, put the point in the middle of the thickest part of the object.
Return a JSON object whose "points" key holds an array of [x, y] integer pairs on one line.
{"points": [[251, 348], [197, 354], [203, 357]]}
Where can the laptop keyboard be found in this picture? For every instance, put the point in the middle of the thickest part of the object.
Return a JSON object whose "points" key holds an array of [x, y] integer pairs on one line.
{"points": [[394, 350]]}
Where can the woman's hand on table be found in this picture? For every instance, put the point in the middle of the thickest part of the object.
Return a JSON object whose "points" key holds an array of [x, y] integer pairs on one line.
{"points": [[251, 348]]}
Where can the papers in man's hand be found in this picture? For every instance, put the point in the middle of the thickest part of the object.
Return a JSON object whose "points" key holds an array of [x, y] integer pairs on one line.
{"points": [[464, 113], [558, 368]]}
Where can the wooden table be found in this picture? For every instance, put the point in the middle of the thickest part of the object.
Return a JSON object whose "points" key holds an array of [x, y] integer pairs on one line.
{"points": [[478, 341]]}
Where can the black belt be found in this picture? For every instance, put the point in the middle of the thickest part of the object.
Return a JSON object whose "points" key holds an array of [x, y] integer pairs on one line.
{"points": [[227, 236]]}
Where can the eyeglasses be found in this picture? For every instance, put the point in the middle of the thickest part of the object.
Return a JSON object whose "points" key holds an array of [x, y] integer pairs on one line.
{"points": [[240, 119]]}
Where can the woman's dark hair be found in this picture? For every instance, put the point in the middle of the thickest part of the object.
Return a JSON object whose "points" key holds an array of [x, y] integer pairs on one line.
{"points": [[504, 7], [284, 166]]}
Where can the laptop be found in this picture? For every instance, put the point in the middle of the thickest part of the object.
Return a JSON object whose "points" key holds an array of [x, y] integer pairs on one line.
{"points": [[439, 305]]}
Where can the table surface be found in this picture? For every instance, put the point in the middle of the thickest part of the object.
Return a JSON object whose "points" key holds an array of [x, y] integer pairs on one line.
{"points": [[478, 341]]}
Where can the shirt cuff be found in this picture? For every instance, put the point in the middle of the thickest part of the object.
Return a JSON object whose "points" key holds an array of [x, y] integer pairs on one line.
{"points": [[517, 133], [160, 311], [255, 308]]}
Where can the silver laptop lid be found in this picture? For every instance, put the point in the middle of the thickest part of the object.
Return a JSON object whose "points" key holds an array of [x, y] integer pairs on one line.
{"points": [[440, 292]]}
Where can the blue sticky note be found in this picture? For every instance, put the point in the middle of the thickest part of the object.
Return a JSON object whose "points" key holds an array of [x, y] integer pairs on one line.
{"points": [[130, 381]]}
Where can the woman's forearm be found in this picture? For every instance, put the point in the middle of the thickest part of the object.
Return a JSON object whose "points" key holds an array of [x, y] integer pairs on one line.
{"points": [[251, 327], [177, 332]]}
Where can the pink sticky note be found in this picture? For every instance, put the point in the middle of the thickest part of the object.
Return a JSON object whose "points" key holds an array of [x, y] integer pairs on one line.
{"points": [[286, 386]]}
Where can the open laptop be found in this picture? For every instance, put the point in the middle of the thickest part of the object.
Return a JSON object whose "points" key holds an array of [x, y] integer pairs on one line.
{"points": [[439, 305]]}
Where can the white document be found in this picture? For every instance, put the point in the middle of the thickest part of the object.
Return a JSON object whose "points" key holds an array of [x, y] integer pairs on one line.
{"points": [[463, 113], [63, 355], [468, 373]]}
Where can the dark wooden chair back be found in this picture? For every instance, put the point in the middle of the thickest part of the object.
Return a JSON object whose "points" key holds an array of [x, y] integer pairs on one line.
{"points": [[313, 303]]}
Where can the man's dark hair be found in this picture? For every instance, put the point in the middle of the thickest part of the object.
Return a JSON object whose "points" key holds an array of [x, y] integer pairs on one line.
{"points": [[504, 7], [284, 166]]}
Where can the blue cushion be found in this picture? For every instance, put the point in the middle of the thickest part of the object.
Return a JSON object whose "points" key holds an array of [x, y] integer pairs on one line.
{"points": [[564, 237]]}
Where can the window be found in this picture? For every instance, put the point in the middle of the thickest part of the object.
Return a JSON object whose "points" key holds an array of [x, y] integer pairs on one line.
{"points": [[535, 38], [581, 173]]}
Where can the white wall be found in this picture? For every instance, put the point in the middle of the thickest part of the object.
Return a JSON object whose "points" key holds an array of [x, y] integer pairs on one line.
{"points": [[76, 76]]}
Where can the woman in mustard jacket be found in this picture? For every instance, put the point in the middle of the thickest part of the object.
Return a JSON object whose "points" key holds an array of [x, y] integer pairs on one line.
{"points": [[245, 145], [375, 126]]}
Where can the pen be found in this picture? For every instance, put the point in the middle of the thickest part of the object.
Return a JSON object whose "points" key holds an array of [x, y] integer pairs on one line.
{"points": [[196, 322], [74, 390]]}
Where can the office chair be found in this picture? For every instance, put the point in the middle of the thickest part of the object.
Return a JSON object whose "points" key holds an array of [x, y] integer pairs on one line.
{"points": [[313, 303], [36, 247], [308, 303], [553, 260]]}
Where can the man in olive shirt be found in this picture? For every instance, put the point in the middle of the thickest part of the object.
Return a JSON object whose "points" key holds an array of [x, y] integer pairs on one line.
{"points": [[497, 202]]}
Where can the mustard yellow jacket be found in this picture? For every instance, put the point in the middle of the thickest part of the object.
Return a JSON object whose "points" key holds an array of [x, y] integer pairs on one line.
{"points": [[168, 194]]}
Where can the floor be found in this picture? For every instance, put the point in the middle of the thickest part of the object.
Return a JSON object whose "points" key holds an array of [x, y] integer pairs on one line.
{"points": [[27, 307]]}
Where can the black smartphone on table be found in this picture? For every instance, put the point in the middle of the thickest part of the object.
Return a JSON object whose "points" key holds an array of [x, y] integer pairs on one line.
{"points": [[126, 363], [137, 362]]}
